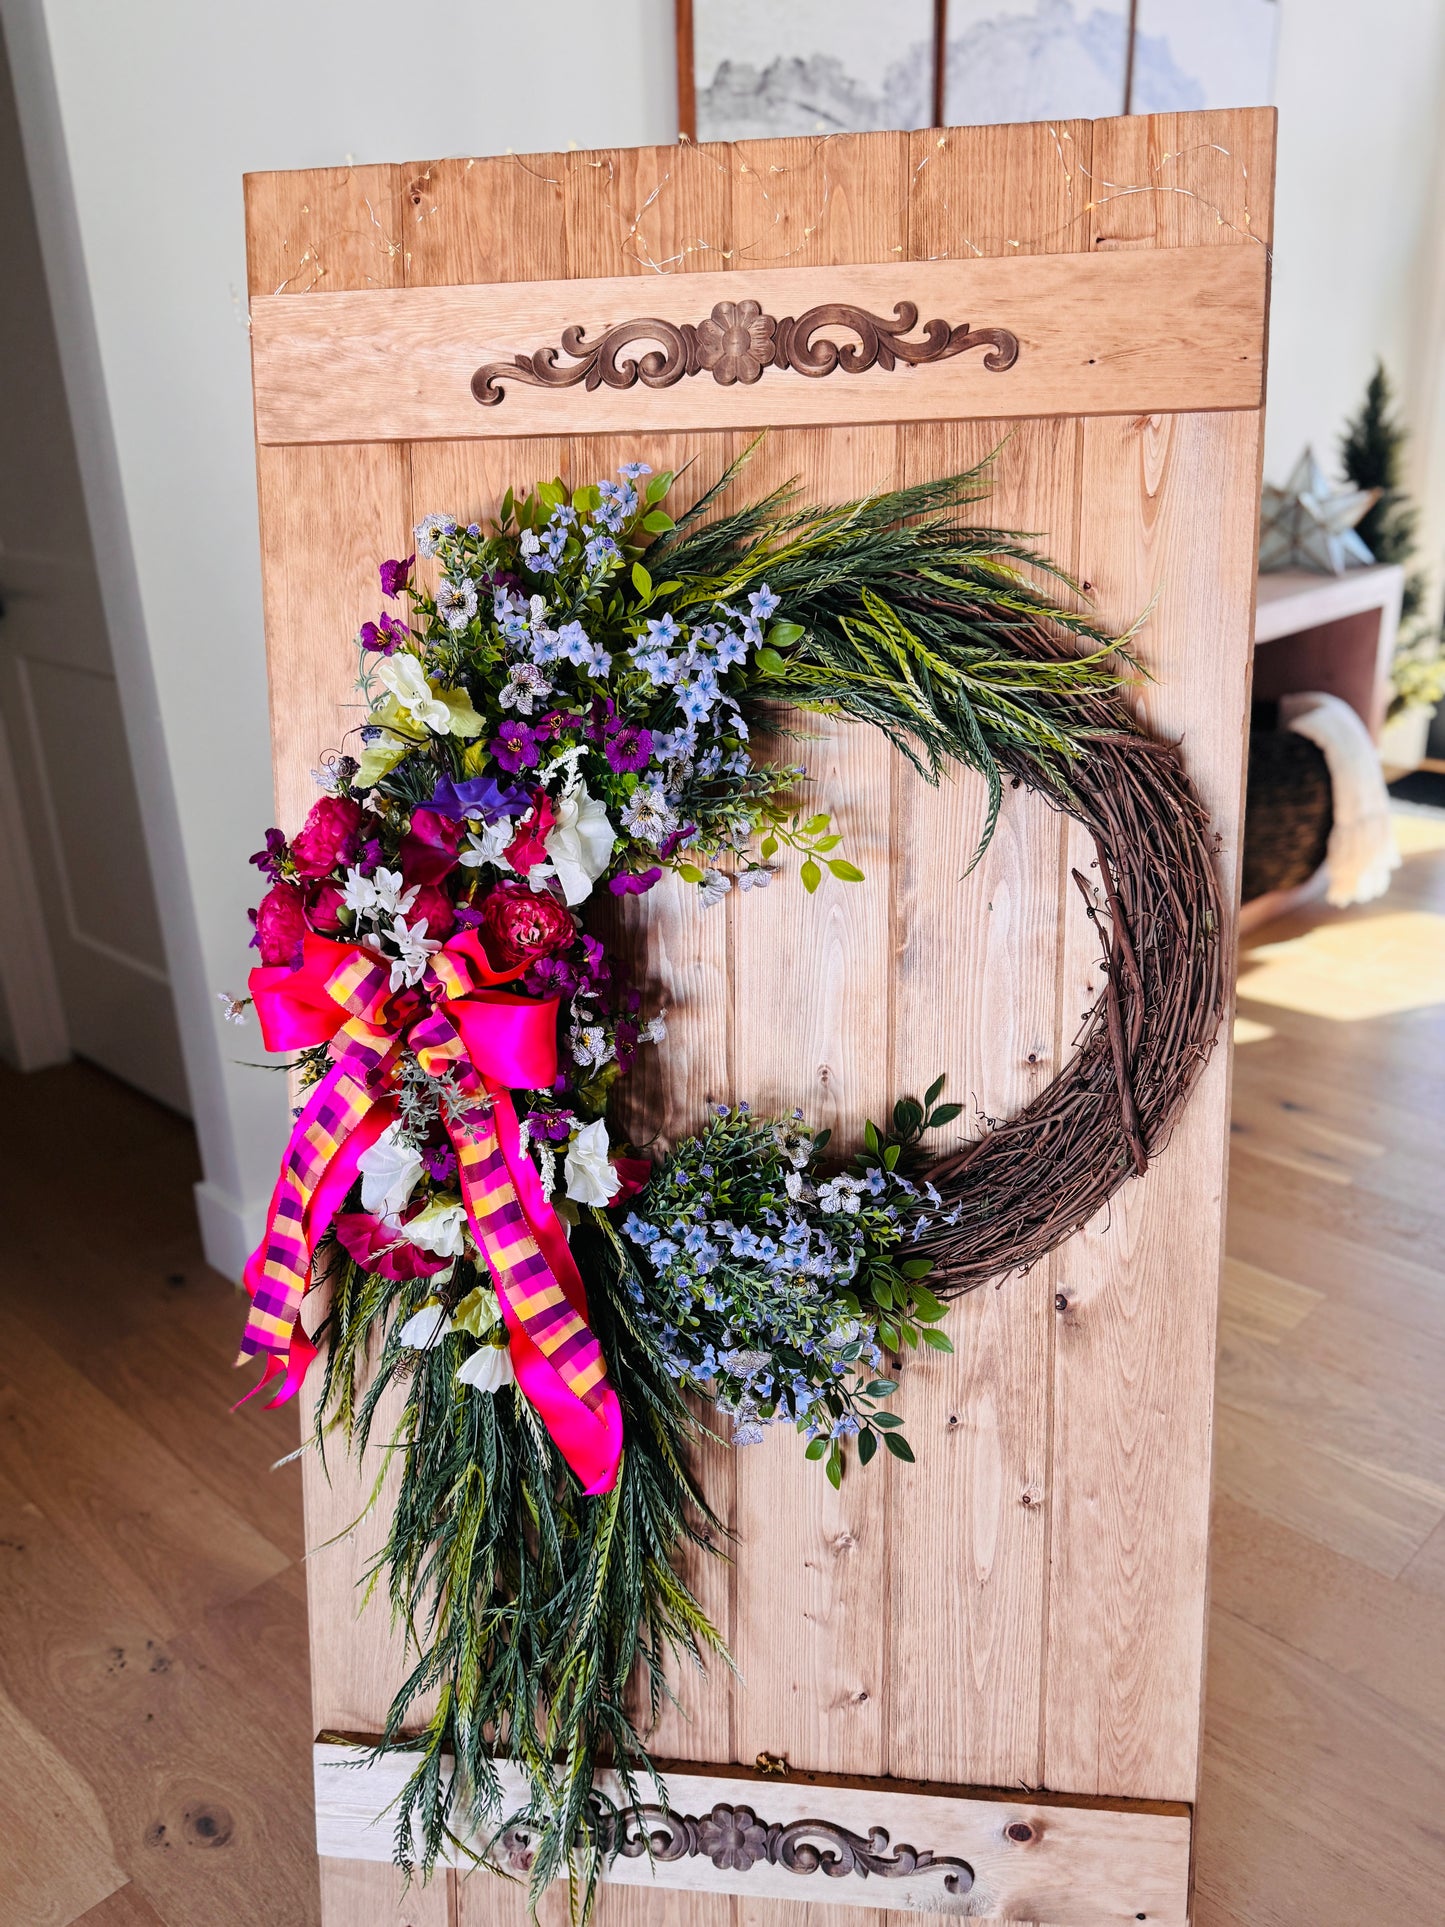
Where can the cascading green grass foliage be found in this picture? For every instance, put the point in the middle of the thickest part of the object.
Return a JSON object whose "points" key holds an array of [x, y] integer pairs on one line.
{"points": [[531, 1607], [902, 615]]}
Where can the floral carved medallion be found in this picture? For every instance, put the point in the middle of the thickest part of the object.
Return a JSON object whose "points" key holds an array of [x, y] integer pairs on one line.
{"points": [[737, 342], [735, 1840]]}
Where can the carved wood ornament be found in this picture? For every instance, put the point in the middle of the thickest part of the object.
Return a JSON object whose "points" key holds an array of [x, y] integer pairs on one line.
{"points": [[735, 1839], [737, 342]]}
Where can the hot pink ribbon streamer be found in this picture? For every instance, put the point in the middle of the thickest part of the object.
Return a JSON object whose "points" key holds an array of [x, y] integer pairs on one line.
{"points": [[491, 1041]]}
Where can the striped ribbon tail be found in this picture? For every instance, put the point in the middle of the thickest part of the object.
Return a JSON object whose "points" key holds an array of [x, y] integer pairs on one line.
{"points": [[556, 1356], [340, 1121]]}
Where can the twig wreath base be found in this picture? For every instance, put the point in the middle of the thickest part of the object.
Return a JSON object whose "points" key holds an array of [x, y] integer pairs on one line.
{"points": [[569, 713]]}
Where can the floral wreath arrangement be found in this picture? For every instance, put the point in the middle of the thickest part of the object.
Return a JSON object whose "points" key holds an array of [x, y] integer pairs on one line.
{"points": [[567, 716]]}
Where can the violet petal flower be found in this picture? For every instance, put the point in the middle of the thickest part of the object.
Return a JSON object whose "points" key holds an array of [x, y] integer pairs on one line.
{"points": [[631, 884], [394, 576], [671, 844], [481, 796], [628, 747], [515, 747]]}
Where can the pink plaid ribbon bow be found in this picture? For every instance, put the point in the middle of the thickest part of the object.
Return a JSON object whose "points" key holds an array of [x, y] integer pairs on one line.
{"points": [[492, 1041]]}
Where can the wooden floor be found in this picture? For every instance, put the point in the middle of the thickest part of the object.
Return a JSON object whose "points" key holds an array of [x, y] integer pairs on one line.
{"points": [[154, 1734]]}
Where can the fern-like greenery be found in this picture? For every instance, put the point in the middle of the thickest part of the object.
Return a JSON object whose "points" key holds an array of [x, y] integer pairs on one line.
{"points": [[540, 1619], [904, 616]]}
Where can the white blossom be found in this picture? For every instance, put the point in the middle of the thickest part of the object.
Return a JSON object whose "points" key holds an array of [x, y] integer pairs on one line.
{"points": [[425, 1328], [414, 950], [591, 1179], [389, 893], [358, 893], [403, 676], [389, 1172], [489, 844], [438, 1227], [580, 843], [489, 1369]]}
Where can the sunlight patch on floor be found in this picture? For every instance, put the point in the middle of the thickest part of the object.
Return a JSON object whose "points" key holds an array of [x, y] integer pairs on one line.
{"points": [[1418, 831], [1371, 966], [1248, 1031]]}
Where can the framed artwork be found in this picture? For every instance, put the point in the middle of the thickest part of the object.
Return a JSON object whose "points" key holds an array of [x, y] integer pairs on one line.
{"points": [[749, 69]]}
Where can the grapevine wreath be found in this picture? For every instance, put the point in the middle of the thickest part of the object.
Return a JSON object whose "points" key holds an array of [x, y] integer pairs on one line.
{"points": [[567, 717]]}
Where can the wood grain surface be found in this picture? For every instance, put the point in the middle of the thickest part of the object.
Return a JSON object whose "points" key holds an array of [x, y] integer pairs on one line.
{"points": [[1160, 331], [1024, 1606], [1089, 1864]]}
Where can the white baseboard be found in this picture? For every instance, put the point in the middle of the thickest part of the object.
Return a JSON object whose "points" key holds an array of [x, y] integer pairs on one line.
{"points": [[230, 1231]]}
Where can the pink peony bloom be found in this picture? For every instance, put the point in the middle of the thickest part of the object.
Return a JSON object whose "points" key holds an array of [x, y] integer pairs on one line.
{"points": [[518, 924], [281, 925], [329, 838], [323, 909], [434, 908]]}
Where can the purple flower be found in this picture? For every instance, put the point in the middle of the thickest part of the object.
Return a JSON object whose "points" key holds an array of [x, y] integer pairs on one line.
{"points": [[394, 576], [670, 844], [630, 884], [383, 638], [271, 857], [515, 746], [370, 858], [440, 1162], [551, 977], [481, 796], [603, 718], [593, 969], [628, 747], [555, 1125]]}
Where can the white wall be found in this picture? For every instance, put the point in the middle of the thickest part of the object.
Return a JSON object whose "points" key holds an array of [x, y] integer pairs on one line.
{"points": [[1359, 252], [139, 122]]}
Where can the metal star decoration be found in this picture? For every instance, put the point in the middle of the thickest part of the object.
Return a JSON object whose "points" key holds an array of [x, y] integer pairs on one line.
{"points": [[1310, 524]]}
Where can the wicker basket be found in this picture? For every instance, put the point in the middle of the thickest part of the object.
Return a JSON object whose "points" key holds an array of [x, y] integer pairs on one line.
{"points": [[1288, 810]]}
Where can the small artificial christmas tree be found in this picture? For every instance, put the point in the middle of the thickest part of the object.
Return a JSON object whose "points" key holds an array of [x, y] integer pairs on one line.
{"points": [[1372, 453]]}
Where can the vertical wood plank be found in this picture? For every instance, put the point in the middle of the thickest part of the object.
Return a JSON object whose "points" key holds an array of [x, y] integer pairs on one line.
{"points": [[327, 516], [811, 999], [641, 212], [1171, 503], [977, 997], [615, 213]]}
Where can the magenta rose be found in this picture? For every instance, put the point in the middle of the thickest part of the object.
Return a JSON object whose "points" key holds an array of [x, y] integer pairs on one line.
{"points": [[329, 838], [434, 908], [518, 925], [323, 908], [429, 848], [281, 924]]}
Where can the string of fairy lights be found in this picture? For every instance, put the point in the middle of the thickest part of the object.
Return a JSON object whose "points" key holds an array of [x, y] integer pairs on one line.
{"points": [[780, 239]]}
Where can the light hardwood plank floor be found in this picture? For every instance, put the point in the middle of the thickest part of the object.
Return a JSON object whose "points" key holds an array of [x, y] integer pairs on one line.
{"points": [[153, 1718]]}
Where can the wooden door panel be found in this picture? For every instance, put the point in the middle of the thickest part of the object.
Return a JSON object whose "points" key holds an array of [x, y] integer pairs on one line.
{"points": [[1024, 1606]]}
